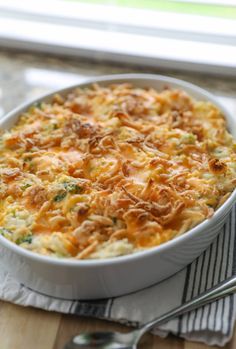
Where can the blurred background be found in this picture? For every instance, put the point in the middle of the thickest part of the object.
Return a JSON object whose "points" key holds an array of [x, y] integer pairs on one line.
{"points": [[194, 35]]}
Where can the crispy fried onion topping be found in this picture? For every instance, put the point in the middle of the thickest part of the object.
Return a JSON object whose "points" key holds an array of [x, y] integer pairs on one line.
{"points": [[114, 164]]}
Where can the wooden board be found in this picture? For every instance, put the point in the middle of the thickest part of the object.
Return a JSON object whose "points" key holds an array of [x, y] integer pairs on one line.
{"points": [[29, 328]]}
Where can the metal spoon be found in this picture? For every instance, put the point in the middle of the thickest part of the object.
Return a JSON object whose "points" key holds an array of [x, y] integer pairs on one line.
{"points": [[116, 340]]}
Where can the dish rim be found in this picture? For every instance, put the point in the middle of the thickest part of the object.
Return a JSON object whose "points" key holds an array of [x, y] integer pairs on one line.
{"points": [[65, 261]]}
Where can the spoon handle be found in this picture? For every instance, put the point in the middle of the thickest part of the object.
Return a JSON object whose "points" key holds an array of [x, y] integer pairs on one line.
{"points": [[221, 290]]}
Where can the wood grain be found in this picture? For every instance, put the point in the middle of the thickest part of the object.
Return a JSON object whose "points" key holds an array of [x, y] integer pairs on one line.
{"points": [[72, 325], [29, 328]]}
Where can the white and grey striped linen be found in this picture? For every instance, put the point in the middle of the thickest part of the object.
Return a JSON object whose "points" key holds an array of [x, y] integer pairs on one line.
{"points": [[212, 324]]}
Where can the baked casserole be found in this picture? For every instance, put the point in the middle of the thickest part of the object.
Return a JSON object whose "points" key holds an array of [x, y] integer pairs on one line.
{"points": [[109, 171]]}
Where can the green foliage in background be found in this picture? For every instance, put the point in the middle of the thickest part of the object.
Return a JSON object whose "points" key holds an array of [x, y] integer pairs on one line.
{"points": [[173, 6]]}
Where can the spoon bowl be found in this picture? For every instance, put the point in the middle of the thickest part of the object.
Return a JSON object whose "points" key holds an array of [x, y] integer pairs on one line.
{"points": [[116, 340], [103, 340]]}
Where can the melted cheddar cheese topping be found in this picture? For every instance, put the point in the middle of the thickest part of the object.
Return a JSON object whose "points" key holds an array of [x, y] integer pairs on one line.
{"points": [[107, 171]]}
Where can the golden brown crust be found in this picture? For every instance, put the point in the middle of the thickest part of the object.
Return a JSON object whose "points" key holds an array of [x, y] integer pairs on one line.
{"points": [[217, 166], [115, 164]]}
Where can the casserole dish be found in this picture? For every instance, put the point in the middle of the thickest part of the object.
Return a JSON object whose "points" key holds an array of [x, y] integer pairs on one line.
{"points": [[90, 279]]}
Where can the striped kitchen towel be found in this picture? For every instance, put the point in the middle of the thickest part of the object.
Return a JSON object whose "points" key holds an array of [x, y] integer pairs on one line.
{"points": [[211, 324]]}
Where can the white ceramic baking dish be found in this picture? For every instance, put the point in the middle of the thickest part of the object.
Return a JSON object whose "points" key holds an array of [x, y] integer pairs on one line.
{"points": [[90, 279]]}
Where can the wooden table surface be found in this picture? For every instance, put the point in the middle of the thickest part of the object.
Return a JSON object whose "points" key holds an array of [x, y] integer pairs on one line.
{"points": [[29, 328]]}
